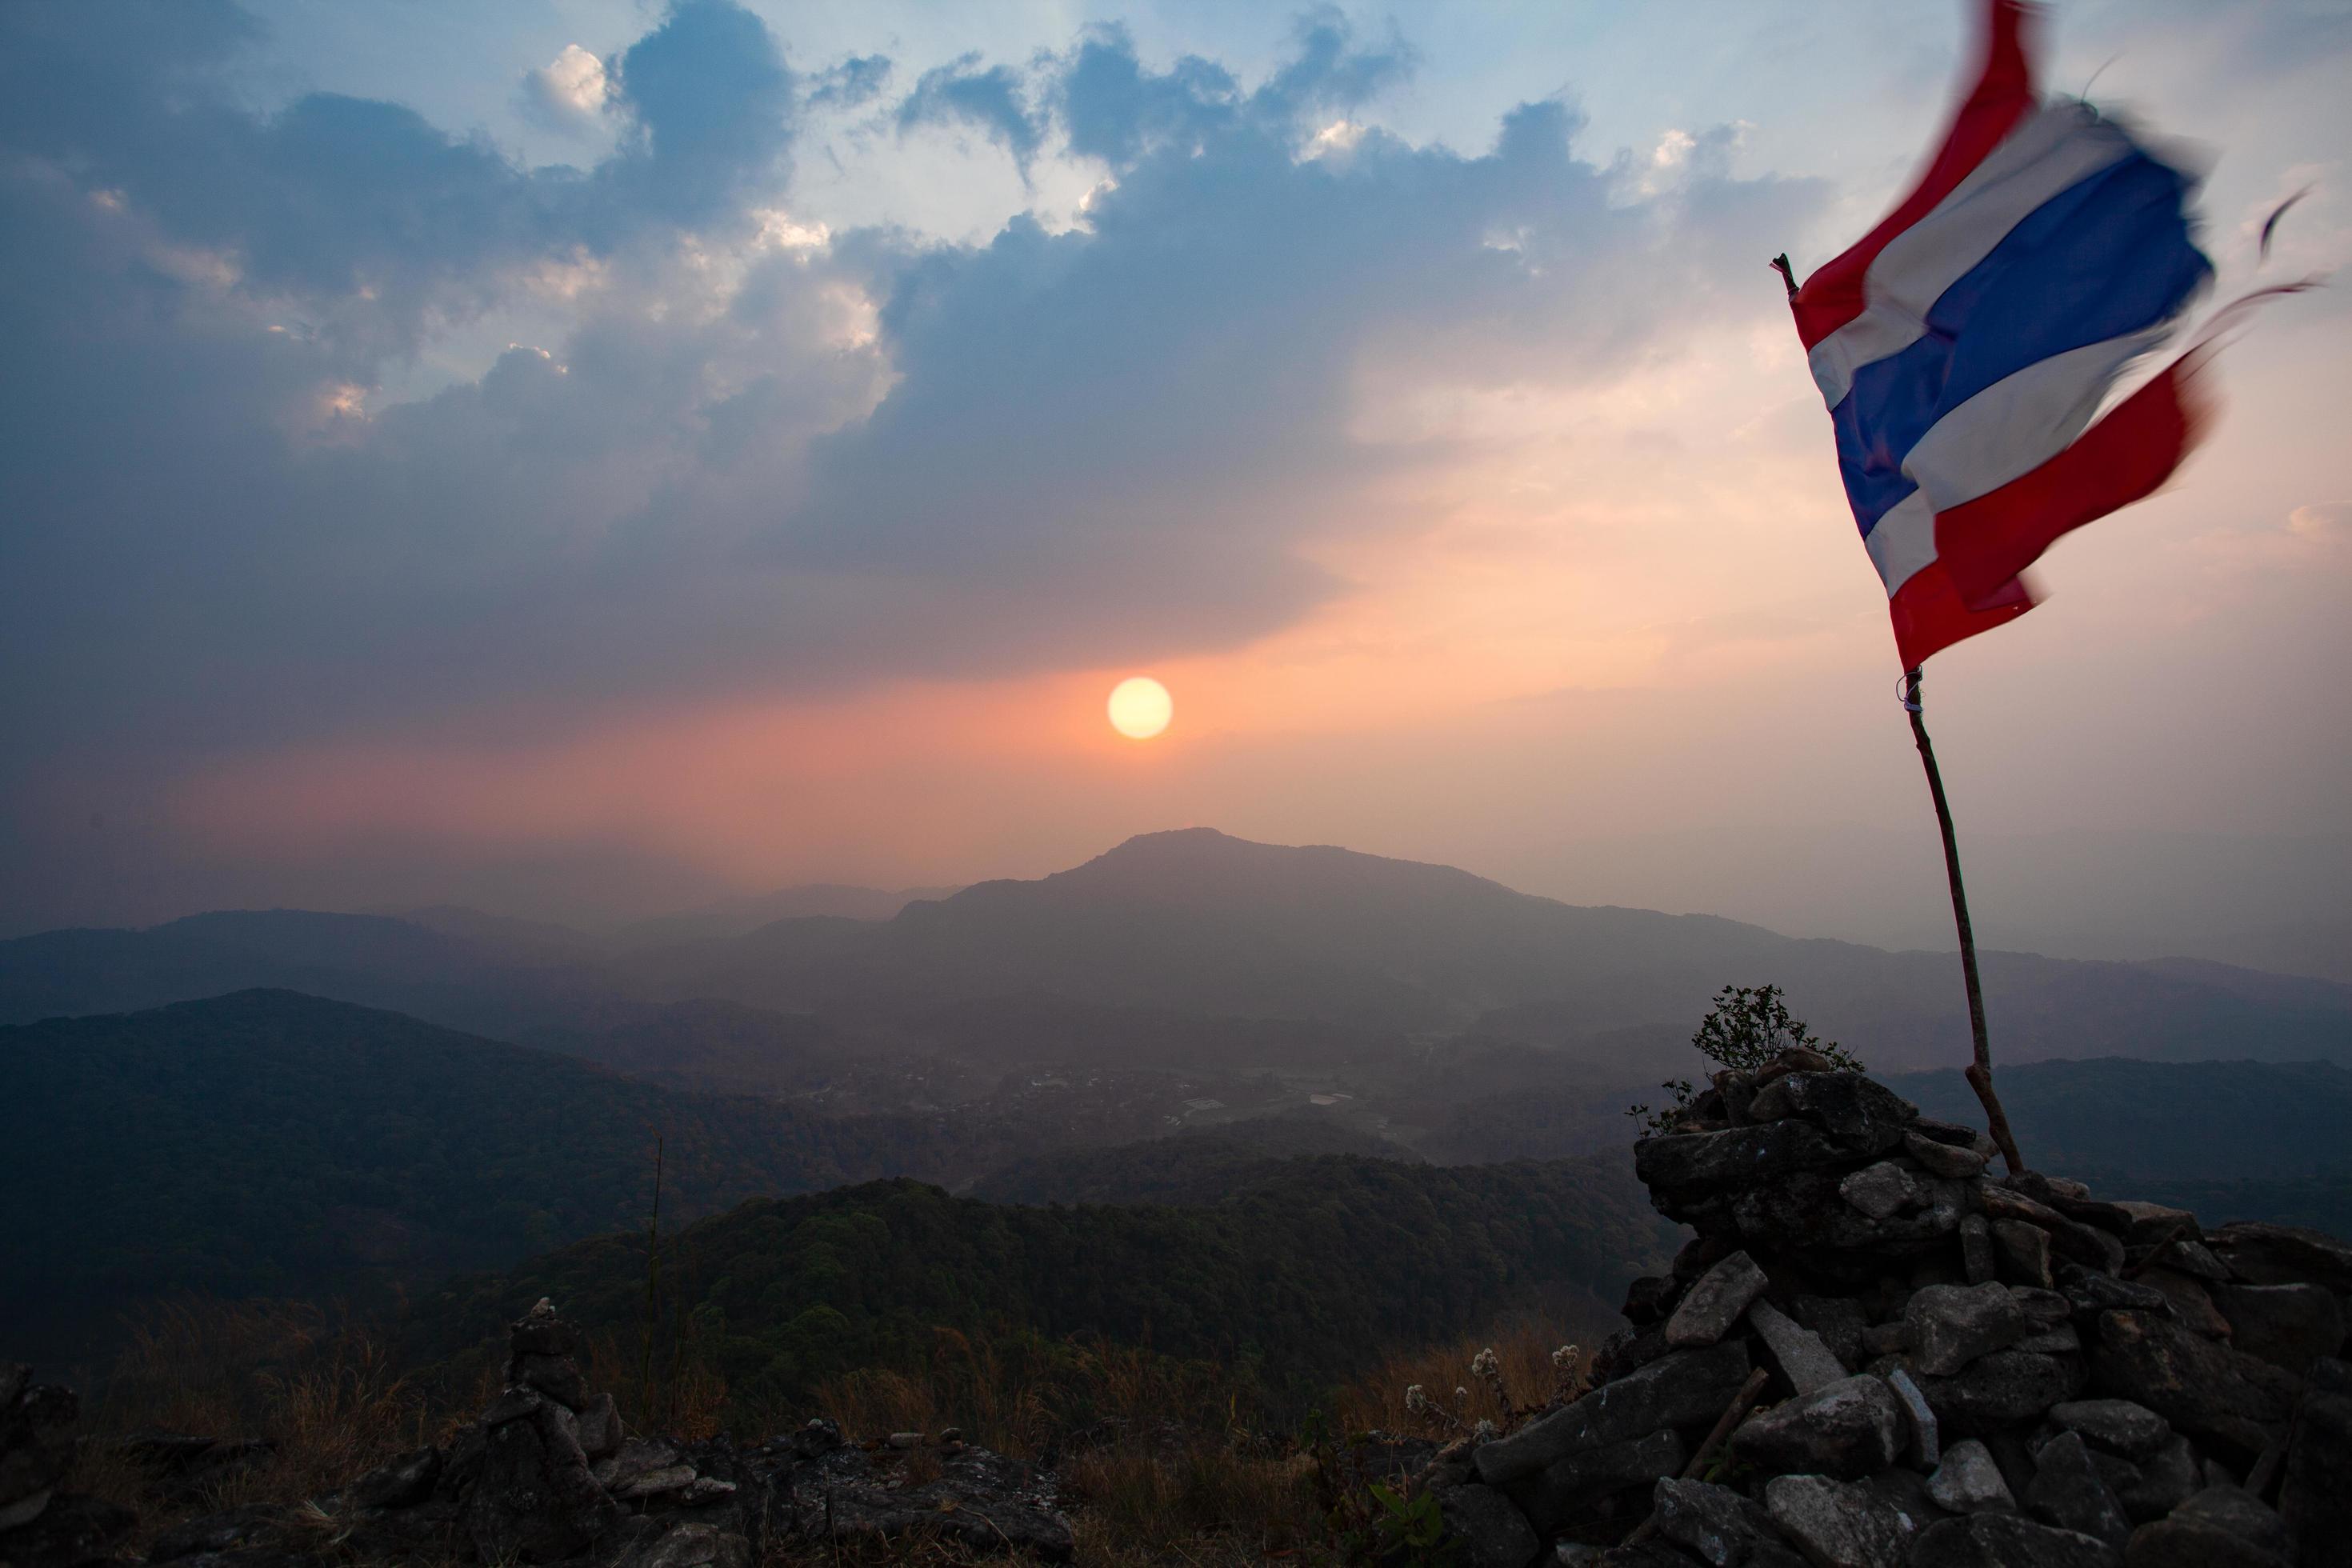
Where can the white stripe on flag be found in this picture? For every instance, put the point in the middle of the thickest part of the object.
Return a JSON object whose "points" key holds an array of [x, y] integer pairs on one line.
{"points": [[2020, 422], [1904, 540], [2054, 149]]}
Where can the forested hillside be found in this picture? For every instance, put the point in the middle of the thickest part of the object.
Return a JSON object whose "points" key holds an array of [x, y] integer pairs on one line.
{"points": [[1306, 1277]]}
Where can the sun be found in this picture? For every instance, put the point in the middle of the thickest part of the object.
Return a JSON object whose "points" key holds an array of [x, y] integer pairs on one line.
{"points": [[1141, 708]]}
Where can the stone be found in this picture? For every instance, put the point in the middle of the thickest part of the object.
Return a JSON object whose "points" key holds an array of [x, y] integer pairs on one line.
{"points": [[981, 1502], [2091, 1293], [72, 1529], [2190, 1302], [2046, 1309], [1683, 1170], [2283, 1255], [2064, 1339], [556, 1376], [2221, 1527], [2313, 1496], [600, 1427], [1838, 1321], [635, 1457], [532, 1499], [705, 1489], [2069, 1492], [1801, 1216], [2168, 1478], [541, 1332], [2195, 1260], [653, 1483], [1649, 1299], [1886, 1338], [1719, 1527], [2024, 1252], [1682, 1388], [2152, 1223], [690, 1544], [1799, 1353], [1848, 1429], [1716, 1301], [514, 1404], [2204, 1389], [1860, 1114], [2007, 1385], [400, 1483], [25, 1509], [1940, 1158], [1925, 1450], [2083, 1244], [1967, 1480], [1837, 1525], [2132, 1430], [1991, 1540], [1567, 1488], [250, 1528], [1485, 1530], [1952, 1325], [1978, 1261], [1883, 1189], [2289, 1326]]}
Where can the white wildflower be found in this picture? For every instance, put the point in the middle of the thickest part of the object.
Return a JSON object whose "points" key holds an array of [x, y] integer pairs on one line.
{"points": [[1415, 1400], [1483, 1363], [1484, 1432]]}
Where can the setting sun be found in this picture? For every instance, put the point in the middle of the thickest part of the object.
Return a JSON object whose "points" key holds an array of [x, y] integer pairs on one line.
{"points": [[1141, 708]]}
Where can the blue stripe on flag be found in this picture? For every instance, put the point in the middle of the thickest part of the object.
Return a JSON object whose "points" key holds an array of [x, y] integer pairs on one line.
{"points": [[2109, 256]]}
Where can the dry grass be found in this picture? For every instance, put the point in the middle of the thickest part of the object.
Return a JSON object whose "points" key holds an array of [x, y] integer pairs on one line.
{"points": [[1527, 1382]]}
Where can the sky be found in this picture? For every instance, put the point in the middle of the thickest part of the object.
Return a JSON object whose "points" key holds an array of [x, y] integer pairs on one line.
{"points": [[581, 457]]}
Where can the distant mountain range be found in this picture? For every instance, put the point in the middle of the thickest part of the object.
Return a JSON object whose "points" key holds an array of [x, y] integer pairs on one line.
{"points": [[1173, 942]]}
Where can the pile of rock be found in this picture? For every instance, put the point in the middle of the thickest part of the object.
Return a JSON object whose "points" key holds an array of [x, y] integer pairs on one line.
{"points": [[547, 1474], [1875, 1354], [39, 1522]]}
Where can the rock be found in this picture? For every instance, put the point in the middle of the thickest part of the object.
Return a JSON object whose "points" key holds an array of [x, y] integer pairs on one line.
{"points": [[1799, 1353], [2283, 1255], [2007, 1385], [2064, 1339], [2132, 1430], [541, 1332], [1719, 1527], [25, 1509], [1568, 1488], [1886, 1338], [1883, 1189], [635, 1457], [1716, 1301], [1838, 1321], [2069, 1492], [1836, 1525], [2191, 1303], [2289, 1326], [1978, 1261], [237, 1530], [1650, 1297], [1861, 1115], [690, 1544], [1990, 1539], [2313, 1496], [1848, 1429], [1925, 1450], [2221, 1527], [1952, 1325], [2084, 1244], [1802, 1215], [2091, 1293], [653, 1483], [2204, 1389], [2045, 1309], [1485, 1530], [1644, 1554], [2168, 1478], [73, 1529], [981, 1502], [1939, 1158], [600, 1427], [1683, 1388], [400, 1482], [2024, 1252], [514, 1404], [558, 1377], [1683, 1170], [1967, 1480], [2149, 1223], [2194, 1259], [533, 1500]]}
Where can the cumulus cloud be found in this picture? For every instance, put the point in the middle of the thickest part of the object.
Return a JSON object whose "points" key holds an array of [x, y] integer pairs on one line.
{"points": [[989, 101], [569, 93]]}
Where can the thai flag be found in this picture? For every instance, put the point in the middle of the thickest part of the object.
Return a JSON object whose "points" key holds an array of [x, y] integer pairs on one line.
{"points": [[1966, 342]]}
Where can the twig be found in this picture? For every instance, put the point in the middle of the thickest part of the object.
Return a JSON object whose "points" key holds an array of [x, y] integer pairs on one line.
{"points": [[2156, 1253], [1698, 1461]]}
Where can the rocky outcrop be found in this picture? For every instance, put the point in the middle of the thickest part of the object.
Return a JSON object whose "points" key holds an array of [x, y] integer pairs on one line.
{"points": [[1878, 1351], [42, 1524]]}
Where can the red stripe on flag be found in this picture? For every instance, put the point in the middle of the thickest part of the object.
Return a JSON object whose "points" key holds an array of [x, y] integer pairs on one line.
{"points": [[1983, 543], [1833, 296], [1929, 615]]}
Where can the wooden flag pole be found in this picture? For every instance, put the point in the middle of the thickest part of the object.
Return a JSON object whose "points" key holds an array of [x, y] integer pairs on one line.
{"points": [[1979, 1071]]}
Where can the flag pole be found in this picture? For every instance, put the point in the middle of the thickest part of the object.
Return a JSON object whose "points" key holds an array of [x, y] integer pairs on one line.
{"points": [[1978, 1072]]}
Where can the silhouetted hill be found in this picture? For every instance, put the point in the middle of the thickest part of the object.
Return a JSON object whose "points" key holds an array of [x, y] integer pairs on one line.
{"points": [[271, 1142], [1306, 1277], [729, 918]]}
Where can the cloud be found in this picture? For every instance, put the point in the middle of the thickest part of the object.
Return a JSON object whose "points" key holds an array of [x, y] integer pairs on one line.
{"points": [[569, 93], [734, 453], [854, 83]]}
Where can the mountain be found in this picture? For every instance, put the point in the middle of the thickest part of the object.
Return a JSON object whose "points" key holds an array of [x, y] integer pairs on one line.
{"points": [[1192, 1167], [1306, 1277], [729, 918], [271, 1142], [509, 939]]}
